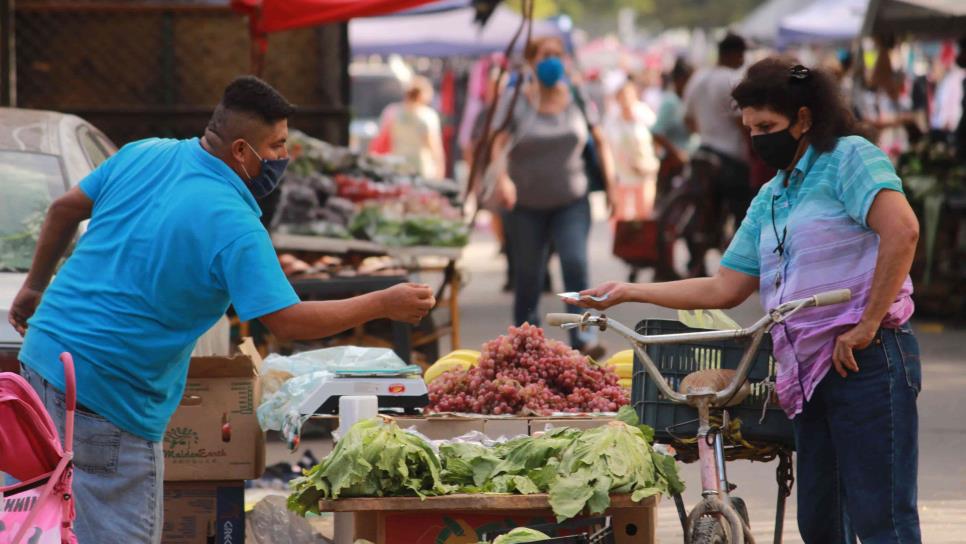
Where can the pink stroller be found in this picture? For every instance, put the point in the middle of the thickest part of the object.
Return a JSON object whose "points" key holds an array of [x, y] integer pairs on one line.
{"points": [[39, 509]]}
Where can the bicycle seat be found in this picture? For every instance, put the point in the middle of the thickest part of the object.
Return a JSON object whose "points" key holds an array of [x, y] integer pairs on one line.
{"points": [[714, 380]]}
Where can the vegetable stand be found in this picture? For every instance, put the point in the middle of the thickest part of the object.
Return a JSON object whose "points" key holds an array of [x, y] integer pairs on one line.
{"points": [[415, 260], [461, 519]]}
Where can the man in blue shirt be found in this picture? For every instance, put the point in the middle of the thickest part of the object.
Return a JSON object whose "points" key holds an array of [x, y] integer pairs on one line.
{"points": [[174, 238]]}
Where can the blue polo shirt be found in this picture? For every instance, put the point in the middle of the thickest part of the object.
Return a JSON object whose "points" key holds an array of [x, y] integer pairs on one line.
{"points": [[174, 238]]}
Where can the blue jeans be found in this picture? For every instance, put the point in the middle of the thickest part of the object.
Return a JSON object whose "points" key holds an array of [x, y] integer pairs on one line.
{"points": [[531, 232], [118, 476], [858, 449]]}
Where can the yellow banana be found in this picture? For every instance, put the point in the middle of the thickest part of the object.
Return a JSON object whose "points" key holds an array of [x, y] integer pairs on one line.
{"points": [[443, 365], [468, 355]]}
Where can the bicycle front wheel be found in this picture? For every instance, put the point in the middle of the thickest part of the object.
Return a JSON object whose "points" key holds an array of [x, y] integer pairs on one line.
{"points": [[710, 530]]}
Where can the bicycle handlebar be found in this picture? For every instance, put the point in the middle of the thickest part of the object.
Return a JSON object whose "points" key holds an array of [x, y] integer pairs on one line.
{"points": [[556, 320], [756, 331], [832, 297]]}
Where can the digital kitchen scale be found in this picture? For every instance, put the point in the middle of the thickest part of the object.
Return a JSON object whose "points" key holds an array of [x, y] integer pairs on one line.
{"points": [[399, 389]]}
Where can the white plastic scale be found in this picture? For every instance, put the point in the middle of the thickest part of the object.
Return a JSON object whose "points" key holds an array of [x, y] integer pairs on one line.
{"points": [[402, 389]]}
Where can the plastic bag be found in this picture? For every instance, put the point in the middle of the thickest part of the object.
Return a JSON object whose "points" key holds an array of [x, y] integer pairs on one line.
{"points": [[334, 359], [286, 380], [272, 523], [707, 319]]}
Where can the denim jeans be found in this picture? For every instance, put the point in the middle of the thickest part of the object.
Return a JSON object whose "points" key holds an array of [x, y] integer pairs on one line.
{"points": [[118, 476], [531, 231], [858, 448]]}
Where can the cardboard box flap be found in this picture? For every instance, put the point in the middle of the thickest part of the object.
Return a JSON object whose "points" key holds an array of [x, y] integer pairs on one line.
{"points": [[247, 363]]}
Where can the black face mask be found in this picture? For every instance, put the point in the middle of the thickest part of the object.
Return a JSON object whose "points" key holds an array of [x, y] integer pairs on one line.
{"points": [[777, 149]]}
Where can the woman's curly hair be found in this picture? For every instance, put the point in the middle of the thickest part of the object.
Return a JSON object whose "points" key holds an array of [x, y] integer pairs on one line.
{"points": [[783, 85]]}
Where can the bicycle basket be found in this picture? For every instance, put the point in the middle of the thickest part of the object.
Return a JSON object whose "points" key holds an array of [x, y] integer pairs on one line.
{"points": [[676, 361], [596, 530]]}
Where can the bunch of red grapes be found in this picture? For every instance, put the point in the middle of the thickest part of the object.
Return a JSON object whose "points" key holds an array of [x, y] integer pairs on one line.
{"points": [[525, 373]]}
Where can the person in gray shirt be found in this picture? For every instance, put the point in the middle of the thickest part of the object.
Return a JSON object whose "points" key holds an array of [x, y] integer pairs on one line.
{"points": [[544, 184]]}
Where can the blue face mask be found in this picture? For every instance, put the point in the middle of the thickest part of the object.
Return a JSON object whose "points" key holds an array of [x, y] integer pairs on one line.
{"points": [[550, 71], [263, 184]]}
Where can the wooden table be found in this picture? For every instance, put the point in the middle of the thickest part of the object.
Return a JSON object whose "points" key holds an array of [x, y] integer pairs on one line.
{"points": [[382, 519]]}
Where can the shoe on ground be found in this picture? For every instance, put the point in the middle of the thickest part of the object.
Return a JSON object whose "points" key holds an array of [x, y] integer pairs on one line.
{"points": [[594, 351]]}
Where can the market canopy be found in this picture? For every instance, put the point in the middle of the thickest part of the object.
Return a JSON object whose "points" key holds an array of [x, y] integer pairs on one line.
{"points": [[922, 18], [823, 21], [441, 34], [275, 15], [761, 25]]}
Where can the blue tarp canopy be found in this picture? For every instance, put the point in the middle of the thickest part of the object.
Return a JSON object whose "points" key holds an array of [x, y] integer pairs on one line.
{"points": [[823, 21], [433, 32]]}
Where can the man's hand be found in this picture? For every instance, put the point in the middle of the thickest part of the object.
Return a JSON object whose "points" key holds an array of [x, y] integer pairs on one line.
{"points": [[407, 302], [23, 308], [858, 337]]}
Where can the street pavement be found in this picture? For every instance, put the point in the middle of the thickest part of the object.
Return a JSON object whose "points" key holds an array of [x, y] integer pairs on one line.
{"points": [[486, 313]]}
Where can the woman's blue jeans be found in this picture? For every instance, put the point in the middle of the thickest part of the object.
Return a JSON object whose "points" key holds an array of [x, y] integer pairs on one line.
{"points": [[858, 449], [531, 231]]}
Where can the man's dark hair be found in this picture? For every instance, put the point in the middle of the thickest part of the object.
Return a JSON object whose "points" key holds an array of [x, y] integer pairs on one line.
{"points": [[731, 43], [248, 97], [681, 68], [782, 85], [251, 95]]}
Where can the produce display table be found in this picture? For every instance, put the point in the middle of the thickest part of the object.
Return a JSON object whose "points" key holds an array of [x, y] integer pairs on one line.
{"points": [[414, 259], [454, 519]]}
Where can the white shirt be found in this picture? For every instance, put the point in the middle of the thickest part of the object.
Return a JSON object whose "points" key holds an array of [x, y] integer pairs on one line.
{"points": [[633, 146], [707, 99], [411, 130], [947, 105]]}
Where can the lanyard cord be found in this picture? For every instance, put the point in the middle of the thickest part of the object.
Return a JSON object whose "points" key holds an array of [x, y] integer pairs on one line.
{"points": [[780, 248]]}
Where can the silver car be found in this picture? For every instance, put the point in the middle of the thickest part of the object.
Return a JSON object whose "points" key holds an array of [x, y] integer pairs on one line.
{"points": [[42, 155]]}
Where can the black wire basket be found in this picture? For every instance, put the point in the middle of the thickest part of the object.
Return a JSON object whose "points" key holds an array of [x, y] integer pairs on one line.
{"points": [[672, 421]]}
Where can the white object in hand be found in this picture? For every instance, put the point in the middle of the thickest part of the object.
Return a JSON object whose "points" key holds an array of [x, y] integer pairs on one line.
{"points": [[575, 295]]}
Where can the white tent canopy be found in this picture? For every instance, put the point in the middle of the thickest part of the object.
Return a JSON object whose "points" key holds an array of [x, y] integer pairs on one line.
{"points": [[824, 21], [440, 34], [761, 25]]}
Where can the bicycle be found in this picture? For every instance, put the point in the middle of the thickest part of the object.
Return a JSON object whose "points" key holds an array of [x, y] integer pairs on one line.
{"points": [[718, 518], [690, 213]]}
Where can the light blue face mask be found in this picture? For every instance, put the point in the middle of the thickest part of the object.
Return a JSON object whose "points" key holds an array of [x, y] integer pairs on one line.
{"points": [[550, 71], [267, 181]]}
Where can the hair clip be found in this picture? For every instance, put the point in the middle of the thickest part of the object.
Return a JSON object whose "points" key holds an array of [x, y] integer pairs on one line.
{"points": [[799, 73]]}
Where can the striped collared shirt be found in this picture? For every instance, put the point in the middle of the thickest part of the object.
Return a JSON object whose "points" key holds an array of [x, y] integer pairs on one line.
{"points": [[819, 219]]}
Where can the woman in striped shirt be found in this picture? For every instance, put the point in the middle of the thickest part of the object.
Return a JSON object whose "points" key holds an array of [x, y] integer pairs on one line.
{"points": [[848, 375]]}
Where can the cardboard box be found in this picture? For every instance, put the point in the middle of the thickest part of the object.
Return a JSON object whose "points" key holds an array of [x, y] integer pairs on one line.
{"points": [[451, 426], [539, 425], [445, 427], [214, 433], [204, 513]]}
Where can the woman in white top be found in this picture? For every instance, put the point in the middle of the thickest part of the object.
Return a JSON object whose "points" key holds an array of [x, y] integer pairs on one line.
{"points": [[414, 131], [636, 162]]}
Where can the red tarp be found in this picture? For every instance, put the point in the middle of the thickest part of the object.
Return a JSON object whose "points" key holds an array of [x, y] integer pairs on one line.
{"points": [[275, 15]]}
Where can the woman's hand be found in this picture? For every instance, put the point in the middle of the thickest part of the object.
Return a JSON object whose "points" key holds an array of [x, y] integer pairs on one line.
{"points": [[612, 292], [858, 337], [613, 200], [506, 194]]}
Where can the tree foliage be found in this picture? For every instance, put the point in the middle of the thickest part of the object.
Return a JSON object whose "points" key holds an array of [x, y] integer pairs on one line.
{"points": [[660, 13]]}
